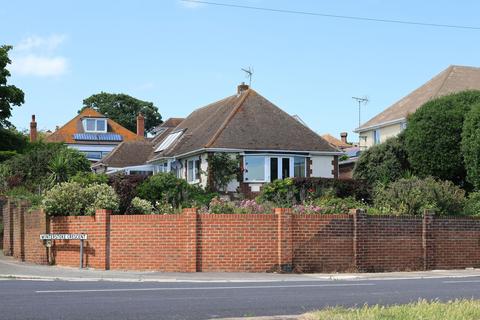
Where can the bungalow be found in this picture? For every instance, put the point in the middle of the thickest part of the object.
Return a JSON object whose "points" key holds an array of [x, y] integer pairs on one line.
{"points": [[95, 135], [393, 120], [270, 143]]}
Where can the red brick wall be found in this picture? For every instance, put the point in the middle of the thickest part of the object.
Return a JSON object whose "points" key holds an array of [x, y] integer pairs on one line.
{"points": [[322, 243], [237, 242], [67, 252], [148, 242], [392, 243], [283, 241], [456, 243]]}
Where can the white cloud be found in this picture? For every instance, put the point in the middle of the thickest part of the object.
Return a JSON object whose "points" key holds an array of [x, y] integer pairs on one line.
{"points": [[35, 56], [44, 43], [33, 65], [191, 4]]}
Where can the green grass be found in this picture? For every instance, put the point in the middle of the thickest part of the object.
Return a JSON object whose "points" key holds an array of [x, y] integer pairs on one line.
{"points": [[421, 310]]}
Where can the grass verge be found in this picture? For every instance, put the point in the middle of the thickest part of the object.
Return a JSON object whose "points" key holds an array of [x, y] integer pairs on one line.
{"points": [[424, 310]]}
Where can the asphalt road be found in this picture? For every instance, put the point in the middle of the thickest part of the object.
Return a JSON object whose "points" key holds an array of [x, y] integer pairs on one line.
{"points": [[20, 299]]}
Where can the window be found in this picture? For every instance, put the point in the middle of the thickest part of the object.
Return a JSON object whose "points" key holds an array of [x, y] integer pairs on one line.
{"points": [[94, 155], [163, 167], [285, 168], [193, 170], [254, 168], [95, 125], [168, 141], [403, 126], [299, 167], [376, 136]]}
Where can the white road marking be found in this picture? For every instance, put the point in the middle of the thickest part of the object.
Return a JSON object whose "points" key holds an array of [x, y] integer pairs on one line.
{"points": [[208, 288], [462, 281]]}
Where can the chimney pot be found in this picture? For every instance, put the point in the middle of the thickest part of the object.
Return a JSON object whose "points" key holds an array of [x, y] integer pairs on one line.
{"points": [[33, 129], [242, 87], [140, 125], [343, 136]]}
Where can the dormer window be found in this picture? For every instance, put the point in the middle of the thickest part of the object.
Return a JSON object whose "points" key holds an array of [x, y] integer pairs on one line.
{"points": [[95, 125]]}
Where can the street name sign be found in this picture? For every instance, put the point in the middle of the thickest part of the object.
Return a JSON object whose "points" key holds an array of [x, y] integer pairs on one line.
{"points": [[63, 236]]}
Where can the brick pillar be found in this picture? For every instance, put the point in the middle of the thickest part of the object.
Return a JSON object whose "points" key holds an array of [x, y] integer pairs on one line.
{"points": [[427, 240], [8, 228], [285, 239], [359, 248], [22, 210], [102, 219], [190, 220], [18, 228]]}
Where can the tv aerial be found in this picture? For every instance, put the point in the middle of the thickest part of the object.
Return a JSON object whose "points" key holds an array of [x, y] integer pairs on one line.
{"points": [[248, 74]]}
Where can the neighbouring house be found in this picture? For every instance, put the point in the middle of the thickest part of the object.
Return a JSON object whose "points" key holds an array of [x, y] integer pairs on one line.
{"points": [[393, 120], [95, 135], [337, 143], [351, 152], [130, 157]]}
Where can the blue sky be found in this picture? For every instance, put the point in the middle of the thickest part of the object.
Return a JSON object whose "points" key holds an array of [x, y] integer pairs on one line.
{"points": [[183, 56]]}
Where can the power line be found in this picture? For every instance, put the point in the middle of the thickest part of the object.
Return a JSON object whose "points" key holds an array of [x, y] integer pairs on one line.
{"points": [[335, 16]]}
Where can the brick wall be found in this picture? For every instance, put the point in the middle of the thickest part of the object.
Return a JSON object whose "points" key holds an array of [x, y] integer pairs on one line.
{"points": [[22, 229], [282, 241], [237, 242], [322, 243]]}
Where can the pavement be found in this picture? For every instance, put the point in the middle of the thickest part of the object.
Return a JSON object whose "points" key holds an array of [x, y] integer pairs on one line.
{"points": [[11, 268]]}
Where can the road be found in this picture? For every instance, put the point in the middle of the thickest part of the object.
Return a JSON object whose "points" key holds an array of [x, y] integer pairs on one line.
{"points": [[20, 299]]}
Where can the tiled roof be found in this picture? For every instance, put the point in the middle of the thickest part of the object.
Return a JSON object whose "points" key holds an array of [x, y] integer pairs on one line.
{"points": [[335, 142], [246, 121], [74, 126], [128, 153], [451, 80]]}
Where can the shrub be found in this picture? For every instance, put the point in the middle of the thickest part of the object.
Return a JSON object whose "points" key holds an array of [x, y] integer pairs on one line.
{"points": [[280, 192], [412, 196], [472, 204], [126, 188], [471, 145], [5, 155], [141, 206], [434, 134], [225, 167], [100, 196], [166, 188], [383, 163], [66, 163], [22, 193], [220, 206], [89, 178], [335, 205], [70, 198], [65, 199], [307, 209], [12, 140]]}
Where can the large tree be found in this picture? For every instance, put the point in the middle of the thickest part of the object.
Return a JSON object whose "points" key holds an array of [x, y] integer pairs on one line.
{"points": [[471, 145], [9, 94], [124, 109], [383, 163], [434, 134]]}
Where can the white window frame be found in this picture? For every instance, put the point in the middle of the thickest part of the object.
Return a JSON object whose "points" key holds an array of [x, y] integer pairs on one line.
{"points": [[376, 136], [167, 142], [267, 177], [195, 170], [96, 125]]}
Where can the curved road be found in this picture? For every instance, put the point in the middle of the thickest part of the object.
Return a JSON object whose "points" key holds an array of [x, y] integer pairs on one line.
{"points": [[20, 299]]}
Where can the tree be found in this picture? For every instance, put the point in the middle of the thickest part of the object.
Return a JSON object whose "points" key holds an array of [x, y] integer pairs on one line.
{"points": [[9, 94], [124, 109], [224, 168], [383, 163], [434, 134], [471, 145]]}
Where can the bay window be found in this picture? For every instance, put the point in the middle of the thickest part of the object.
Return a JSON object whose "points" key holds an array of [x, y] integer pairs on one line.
{"points": [[193, 170], [254, 168]]}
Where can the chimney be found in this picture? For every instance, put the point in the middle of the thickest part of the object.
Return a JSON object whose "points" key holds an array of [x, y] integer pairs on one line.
{"points": [[140, 125], [242, 87], [343, 136], [33, 129]]}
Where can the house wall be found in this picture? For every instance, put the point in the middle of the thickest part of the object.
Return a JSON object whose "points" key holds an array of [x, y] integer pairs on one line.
{"points": [[322, 166], [190, 241], [385, 133]]}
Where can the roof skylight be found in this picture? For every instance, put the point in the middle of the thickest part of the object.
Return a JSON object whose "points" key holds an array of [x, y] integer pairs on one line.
{"points": [[169, 140]]}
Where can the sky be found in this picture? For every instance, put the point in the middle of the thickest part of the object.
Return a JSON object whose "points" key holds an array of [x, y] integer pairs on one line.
{"points": [[182, 56]]}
